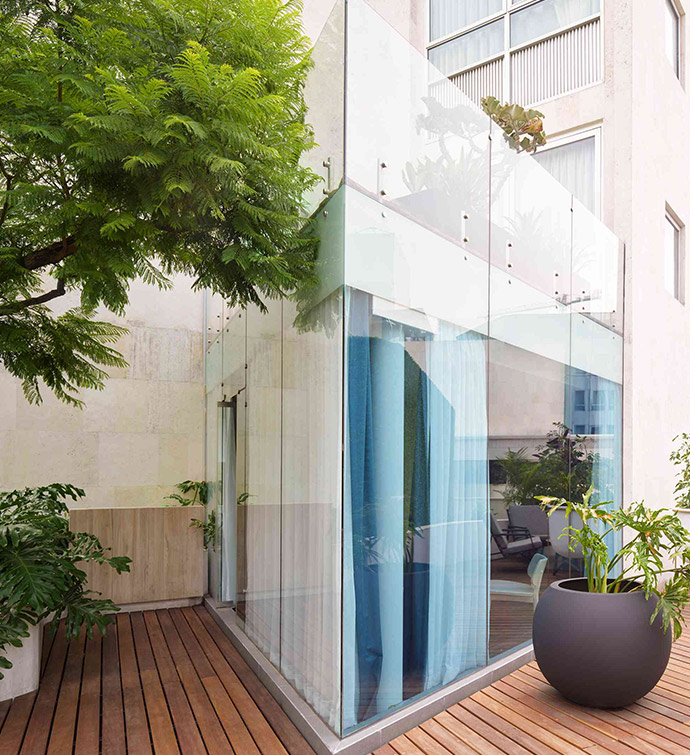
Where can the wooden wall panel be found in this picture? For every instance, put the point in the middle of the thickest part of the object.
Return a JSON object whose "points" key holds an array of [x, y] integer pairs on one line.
{"points": [[167, 554]]}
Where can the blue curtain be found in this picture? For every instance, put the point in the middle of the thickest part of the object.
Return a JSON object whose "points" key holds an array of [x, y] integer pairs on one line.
{"points": [[416, 491]]}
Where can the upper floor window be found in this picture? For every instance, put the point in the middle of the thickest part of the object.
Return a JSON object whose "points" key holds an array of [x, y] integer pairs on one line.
{"points": [[575, 163], [673, 35], [494, 47], [673, 257]]}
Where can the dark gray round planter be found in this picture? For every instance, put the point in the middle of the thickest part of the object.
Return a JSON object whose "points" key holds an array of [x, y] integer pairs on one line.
{"points": [[598, 649]]}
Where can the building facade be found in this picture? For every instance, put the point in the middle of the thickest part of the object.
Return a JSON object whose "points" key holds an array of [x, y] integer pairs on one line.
{"points": [[376, 552]]}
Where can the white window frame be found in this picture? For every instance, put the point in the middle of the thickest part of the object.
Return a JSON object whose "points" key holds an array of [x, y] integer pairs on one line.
{"points": [[679, 273], [679, 40], [508, 9], [576, 136]]}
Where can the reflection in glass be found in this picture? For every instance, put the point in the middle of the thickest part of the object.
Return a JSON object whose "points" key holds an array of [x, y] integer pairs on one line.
{"points": [[548, 16], [447, 16], [470, 48]]}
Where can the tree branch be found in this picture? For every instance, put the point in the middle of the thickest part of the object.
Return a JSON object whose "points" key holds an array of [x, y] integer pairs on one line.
{"points": [[50, 255], [18, 306]]}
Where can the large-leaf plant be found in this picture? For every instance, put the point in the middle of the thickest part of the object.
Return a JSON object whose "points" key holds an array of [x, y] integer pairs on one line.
{"points": [[40, 574], [655, 558]]}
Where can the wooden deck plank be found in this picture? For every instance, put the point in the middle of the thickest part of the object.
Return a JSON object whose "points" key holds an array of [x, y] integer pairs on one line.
{"points": [[260, 697], [89, 723], [38, 730], [136, 722], [16, 721], [62, 734], [211, 729], [185, 724], [160, 723], [113, 739]]}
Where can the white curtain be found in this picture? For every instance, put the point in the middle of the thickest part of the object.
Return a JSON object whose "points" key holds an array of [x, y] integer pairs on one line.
{"points": [[548, 16], [448, 16], [458, 495], [574, 165], [470, 48]]}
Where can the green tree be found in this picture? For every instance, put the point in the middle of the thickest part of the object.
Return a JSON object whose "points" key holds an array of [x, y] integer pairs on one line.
{"points": [[141, 139]]}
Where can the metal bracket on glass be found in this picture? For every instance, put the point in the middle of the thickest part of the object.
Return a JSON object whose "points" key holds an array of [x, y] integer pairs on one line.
{"points": [[381, 166], [509, 251], [463, 228], [327, 163]]}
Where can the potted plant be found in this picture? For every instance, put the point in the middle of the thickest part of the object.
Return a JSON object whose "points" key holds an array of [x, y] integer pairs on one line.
{"points": [[604, 640], [40, 578]]}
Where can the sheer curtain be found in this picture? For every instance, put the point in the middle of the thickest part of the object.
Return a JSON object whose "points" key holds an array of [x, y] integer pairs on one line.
{"points": [[415, 510], [458, 494], [574, 165], [448, 16]]}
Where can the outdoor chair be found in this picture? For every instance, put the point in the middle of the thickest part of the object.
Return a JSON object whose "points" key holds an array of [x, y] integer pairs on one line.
{"points": [[515, 541], [521, 592]]}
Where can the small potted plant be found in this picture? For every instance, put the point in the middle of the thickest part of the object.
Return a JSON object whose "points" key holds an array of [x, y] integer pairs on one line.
{"points": [[604, 640], [40, 578]]}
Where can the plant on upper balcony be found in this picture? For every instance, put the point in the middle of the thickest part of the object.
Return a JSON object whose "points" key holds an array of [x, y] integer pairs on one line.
{"points": [[524, 129], [40, 560], [142, 139], [604, 639], [681, 458]]}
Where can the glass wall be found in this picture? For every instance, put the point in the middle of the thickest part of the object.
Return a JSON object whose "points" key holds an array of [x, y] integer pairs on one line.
{"points": [[376, 443]]}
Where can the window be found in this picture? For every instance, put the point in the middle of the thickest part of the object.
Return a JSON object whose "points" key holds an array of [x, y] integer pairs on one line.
{"points": [[598, 400], [673, 35], [548, 16], [494, 47], [674, 257], [575, 165], [580, 401], [448, 16], [580, 429]]}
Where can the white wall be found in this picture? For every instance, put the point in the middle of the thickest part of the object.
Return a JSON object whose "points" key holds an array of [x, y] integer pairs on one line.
{"points": [[140, 435]]}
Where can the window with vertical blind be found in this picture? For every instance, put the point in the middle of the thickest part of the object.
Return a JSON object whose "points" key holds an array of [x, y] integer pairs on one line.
{"points": [[522, 38]]}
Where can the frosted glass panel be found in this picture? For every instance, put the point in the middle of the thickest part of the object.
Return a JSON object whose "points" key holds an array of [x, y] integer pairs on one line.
{"points": [[472, 47], [448, 16], [548, 16]]}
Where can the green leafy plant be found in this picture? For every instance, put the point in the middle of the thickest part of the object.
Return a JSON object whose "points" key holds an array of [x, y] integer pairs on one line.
{"points": [[142, 139], [196, 493], [681, 458], [524, 129], [40, 574], [561, 468], [655, 537]]}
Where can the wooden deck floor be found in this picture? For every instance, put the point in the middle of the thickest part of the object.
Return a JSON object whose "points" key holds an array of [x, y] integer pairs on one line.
{"points": [[522, 714], [168, 682], [161, 682]]}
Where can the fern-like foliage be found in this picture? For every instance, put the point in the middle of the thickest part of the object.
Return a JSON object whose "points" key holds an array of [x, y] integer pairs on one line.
{"points": [[141, 139], [40, 572]]}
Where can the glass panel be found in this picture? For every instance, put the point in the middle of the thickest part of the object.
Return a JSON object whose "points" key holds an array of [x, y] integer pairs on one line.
{"points": [[574, 165], [671, 256], [415, 143], [447, 16], [531, 448], [548, 16], [311, 515], [259, 541], [470, 48], [672, 35]]}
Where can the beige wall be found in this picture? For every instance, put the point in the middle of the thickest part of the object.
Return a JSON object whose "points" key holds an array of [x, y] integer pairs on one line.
{"points": [[140, 435]]}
